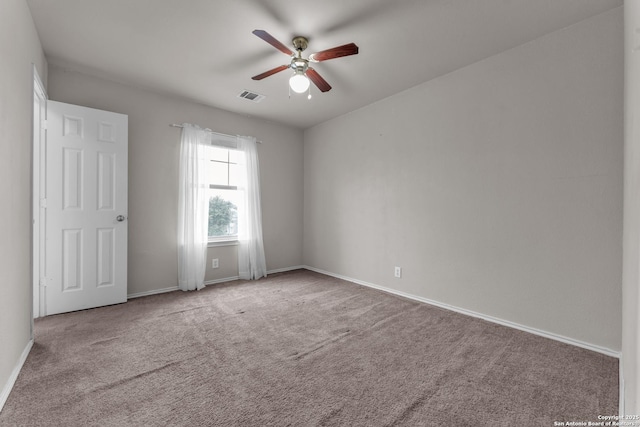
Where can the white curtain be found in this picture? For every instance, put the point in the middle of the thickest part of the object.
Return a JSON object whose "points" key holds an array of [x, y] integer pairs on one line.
{"points": [[193, 208], [251, 260]]}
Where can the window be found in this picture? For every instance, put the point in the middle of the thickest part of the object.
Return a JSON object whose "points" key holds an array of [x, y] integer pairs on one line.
{"points": [[223, 193]]}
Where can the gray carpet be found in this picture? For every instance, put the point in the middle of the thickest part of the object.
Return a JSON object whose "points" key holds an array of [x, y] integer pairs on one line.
{"points": [[300, 349]]}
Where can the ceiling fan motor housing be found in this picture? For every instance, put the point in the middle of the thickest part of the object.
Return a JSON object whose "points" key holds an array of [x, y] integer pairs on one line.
{"points": [[299, 65], [300, 43]]}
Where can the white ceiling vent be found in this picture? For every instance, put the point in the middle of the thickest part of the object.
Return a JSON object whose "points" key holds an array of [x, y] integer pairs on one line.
{"points": [[253, 97]]}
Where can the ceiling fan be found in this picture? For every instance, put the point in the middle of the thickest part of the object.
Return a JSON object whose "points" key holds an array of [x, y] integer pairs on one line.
{"points": [[299, 82]]}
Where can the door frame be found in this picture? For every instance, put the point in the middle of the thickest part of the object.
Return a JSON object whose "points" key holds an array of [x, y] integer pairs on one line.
{"points": [[38, 189]]}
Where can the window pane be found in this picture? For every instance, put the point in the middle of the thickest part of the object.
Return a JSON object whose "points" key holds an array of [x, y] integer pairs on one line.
{"points": [[218, 173], [223, 213], [233, 156], [233, 175], [217, 153]]}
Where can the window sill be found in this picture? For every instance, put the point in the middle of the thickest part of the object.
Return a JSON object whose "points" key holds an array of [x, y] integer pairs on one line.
{"points": [[231, 241]]}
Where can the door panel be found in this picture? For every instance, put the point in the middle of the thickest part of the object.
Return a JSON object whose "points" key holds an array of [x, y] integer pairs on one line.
{"points": [[86, 243], [106, 267]]}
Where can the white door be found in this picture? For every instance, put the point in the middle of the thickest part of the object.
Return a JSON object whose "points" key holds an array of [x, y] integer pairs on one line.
{"points": [[86, 208]]}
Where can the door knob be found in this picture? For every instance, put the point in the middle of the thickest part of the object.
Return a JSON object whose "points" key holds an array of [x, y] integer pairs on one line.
{"points": [[120, 218]]}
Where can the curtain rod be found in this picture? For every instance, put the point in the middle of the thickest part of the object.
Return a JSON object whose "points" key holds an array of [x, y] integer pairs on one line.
{"points": [[210, 131]]}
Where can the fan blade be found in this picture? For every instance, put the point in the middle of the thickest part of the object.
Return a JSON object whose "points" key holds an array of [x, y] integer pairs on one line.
{"points": [[318, 80], [270, 72], [272, 41], [336, 52]]}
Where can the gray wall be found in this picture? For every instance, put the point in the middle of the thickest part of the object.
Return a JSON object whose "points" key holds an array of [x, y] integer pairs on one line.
{"points": [[497, 188], [153, 176], [19, 48]]}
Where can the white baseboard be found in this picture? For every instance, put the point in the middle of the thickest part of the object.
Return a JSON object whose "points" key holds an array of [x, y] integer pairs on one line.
{"points": [[277, 270], [176, 288], [216, 281], [230, 279], [284, 270], [152, 292], [209, 282], [6, 390], [545, 334]]}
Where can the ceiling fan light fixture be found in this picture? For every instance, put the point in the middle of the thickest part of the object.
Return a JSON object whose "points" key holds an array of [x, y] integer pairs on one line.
{"points": [[299, 83]]}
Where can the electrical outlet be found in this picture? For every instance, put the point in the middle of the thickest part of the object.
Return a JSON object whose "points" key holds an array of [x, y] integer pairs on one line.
{"points": [[398, 272], [215, 263]]}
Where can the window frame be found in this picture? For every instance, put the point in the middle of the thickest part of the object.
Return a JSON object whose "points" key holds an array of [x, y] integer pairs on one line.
{"points": [[226, 143]]}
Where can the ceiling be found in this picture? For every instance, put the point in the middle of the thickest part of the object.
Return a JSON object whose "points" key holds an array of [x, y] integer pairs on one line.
{"points": [[203, 50]]}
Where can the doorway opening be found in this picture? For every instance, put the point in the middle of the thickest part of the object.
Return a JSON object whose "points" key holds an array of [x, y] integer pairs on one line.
{"points": [[38, 190]]}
